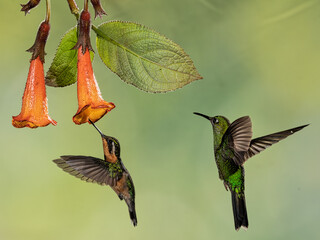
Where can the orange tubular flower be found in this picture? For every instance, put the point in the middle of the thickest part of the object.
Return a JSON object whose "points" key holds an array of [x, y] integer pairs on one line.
{"points": [[91, 104], [34, 112]]}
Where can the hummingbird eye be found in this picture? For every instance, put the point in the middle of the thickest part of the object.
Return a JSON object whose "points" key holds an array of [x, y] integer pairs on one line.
{"points": [[215, 120]]}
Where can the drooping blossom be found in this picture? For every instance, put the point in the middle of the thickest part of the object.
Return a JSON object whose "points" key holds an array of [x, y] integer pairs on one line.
{"points": [[91, 104], [34, 111]]}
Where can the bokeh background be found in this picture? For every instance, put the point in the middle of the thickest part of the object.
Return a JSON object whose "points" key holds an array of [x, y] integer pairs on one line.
{"points": [[258, 58]]}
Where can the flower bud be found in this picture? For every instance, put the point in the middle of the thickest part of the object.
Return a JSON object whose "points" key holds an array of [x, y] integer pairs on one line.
{"points": [[27, 7], [98, 8]]}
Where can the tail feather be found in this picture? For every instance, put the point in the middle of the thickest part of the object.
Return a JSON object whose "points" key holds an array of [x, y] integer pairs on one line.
{"points": [[132, 212], [239, 210], [133, 216]]}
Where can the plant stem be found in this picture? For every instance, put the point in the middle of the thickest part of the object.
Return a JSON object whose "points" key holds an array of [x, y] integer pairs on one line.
{"points": [[48, 12], [75, 11], [85, 8], [74, 8]]}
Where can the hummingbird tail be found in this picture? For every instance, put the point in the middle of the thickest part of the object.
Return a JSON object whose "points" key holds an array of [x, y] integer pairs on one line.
{"points": [[133, 216], [239, 210], [132, 211]]}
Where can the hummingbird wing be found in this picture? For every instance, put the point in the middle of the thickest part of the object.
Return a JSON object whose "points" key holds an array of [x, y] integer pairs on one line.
{"points": [[91, 169], [237, 137], [259, 144]]}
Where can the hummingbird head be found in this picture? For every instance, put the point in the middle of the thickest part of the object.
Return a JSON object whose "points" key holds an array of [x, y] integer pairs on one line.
{"points": [[219, 123], [111, 145]]}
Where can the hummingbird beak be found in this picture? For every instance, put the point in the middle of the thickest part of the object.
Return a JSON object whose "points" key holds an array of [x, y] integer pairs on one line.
{"points": [[96, 128], [202, 115]]}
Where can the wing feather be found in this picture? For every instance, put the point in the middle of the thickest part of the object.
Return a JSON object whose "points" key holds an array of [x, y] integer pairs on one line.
{"points": [[240, 134], [257, 145], [237, 137], [89, 169]]}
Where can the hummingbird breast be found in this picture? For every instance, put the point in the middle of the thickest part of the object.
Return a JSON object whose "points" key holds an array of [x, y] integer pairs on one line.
{"points": [[225, 164]]}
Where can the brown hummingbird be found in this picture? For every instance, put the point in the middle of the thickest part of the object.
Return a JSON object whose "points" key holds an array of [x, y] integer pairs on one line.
{"points": [[109, 171]]}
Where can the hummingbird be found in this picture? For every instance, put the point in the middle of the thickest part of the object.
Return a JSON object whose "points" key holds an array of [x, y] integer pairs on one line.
{"points": [[233, 145], [109, 171]]}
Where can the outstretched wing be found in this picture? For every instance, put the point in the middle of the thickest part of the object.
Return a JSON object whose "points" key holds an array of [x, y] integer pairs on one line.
{"points": [[259, 144], [91, 169], [237, 138]]}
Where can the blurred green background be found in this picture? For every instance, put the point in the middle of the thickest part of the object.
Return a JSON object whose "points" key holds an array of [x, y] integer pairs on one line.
{"points": [[258, 58]]}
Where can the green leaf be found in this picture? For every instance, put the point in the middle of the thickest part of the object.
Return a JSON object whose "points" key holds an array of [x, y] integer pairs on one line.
{"points": [[143, 57], [63, 69]]}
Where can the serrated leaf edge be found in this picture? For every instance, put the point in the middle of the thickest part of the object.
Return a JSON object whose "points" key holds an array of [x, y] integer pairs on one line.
{"points": [[100, 33]]}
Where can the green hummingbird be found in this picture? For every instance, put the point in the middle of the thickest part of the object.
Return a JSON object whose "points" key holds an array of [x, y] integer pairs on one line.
{"points": [[233, 145], [109, 171]]}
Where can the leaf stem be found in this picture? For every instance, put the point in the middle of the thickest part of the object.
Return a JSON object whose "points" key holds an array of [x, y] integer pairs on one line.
{"points": [[48, 12], [95, 29], [102, 34]]}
